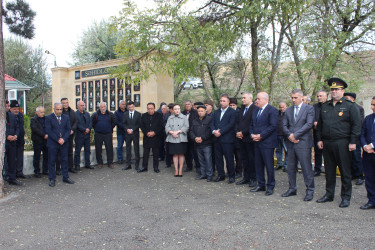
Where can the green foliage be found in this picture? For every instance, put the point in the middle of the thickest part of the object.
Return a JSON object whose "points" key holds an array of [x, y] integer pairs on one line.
{"points": [[28, 142], [28, 65], [96, 44], [19, 17]]}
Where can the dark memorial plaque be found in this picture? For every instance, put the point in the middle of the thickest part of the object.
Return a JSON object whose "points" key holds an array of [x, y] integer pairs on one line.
{"points": [[78, 90], [120, 90], [105, 90], [91, 105], [128, 89], [137, 86], [84, 93], [97, 91], [137, 100], [112, 87], [91, 90]]}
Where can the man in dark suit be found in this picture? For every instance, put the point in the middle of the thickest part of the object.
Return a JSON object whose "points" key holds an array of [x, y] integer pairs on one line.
{"points": [[39, 138], [368, 145], [263, 131], [15, 110], [322, 96], [357, 166], [222, 127], [297, 127], [246, 144], [68, 111], [58, 130], [132, 123], [10, 164], [190, 154], [82, 138], [151, 126]]}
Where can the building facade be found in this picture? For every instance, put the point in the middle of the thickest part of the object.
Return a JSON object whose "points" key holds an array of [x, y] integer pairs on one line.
{"points": [[92, 83]]}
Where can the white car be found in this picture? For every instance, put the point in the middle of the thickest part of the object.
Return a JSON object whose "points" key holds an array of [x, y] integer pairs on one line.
{"points": [[193, 83]]}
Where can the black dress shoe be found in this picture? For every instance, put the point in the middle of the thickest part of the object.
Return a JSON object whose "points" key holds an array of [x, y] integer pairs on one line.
{"points": [[180, 175], [14, 182], [120, 162], [219, 178], [231, 180], [285, 170], [316, 174], [359, 181], [68, 180], [156, 170], [89, 167], [44, 173], [37, 175], [278, 167], [51, 183], [325, 198], [269, 192], [241, 182], [167, 166], [72, 170], [288, 193], [127, 167], [252, 183], [368, 206], [258, 189], [201, 177], [22, 176], [209, 179], [238, 176], [344, 203], [142, 170], [308, 197], [58, 172]]}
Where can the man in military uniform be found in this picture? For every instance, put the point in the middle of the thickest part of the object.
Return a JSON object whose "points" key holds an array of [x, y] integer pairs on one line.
{"points": [[338, 131]]}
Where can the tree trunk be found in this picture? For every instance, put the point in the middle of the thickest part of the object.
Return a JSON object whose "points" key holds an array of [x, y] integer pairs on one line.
{"points": [[276, 54], [254, 55], [205, 87], [2, 102]]}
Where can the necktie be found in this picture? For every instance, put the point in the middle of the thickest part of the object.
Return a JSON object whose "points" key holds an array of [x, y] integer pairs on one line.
{"points": [[246, 109], [296, 113], [131, 115], [59, 120], [222, 114], [260, 112]]}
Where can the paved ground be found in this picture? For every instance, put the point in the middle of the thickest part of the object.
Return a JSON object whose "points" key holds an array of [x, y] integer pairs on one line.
{"points": [[115, 209]]}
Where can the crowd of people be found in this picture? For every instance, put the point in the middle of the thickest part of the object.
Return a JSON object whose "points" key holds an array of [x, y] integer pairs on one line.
{"points": [[231, 141]]}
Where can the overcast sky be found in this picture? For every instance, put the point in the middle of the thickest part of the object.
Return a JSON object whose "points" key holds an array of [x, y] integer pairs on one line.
{"points": [[59, 24]]}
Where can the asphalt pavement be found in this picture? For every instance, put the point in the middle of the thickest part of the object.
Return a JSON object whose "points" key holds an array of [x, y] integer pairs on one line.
{"points": [[116, 209]]}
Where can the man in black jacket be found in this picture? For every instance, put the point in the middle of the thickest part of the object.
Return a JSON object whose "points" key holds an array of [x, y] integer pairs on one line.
{"points": [[103, 122], [152, 127], [189, 156], [82, 137], [39, 138], [73, 124], [15, 109], [246, 144], [322, 96], [11, 133], [200, 133]]}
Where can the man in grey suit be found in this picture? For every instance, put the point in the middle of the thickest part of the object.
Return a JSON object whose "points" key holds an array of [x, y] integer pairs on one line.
{"points": [[297, 126], [132, 123]]}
